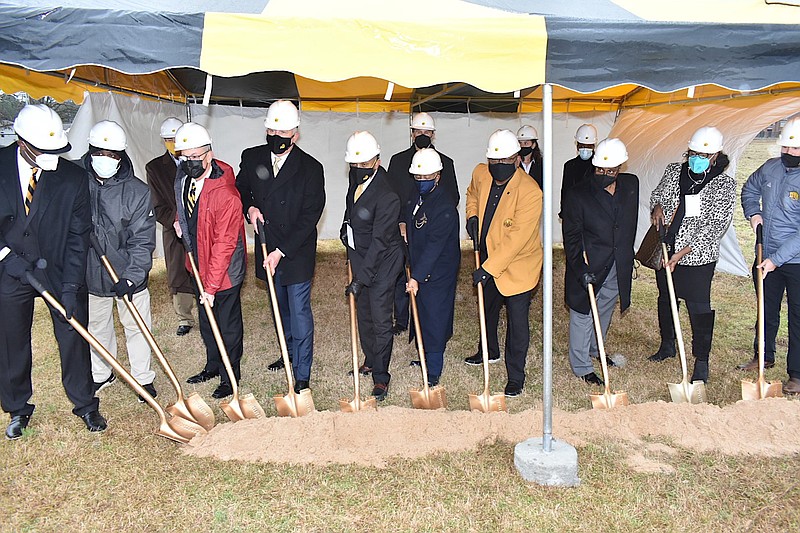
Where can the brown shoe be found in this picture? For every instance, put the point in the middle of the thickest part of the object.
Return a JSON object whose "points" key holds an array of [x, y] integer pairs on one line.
{"points": [[792, 386], [752, 364]]}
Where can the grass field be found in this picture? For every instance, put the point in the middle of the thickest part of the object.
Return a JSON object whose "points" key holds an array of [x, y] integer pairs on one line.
{"points": [[59, 477]]}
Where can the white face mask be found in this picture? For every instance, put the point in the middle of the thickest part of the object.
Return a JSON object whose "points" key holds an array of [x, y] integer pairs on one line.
{"points": [[585, 153], [47, 161], [104, 166]]}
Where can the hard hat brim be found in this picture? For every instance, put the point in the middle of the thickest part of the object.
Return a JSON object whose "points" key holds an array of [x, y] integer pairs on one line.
{"points": [[63, 149]]}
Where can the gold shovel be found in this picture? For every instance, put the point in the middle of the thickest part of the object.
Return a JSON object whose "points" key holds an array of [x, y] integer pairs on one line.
{"points": [[760, 389], [192, 408], [292, 404], [429, 397], [356, 404], [484, 402], [173, 428], [246, 407], [683, 392]]}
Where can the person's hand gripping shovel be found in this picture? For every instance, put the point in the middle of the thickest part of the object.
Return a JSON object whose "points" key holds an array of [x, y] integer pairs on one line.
{"points": [[356, 404]]}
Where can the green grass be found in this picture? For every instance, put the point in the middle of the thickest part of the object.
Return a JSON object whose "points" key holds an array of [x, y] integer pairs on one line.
{"points": [[61, 478]]}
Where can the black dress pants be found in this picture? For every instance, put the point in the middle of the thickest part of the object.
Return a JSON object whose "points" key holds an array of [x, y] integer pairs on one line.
{"points": [[518, 333], [17, 302], [228, 313]]}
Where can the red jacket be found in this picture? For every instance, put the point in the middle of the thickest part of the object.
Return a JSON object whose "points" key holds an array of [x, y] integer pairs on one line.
{"points": [[221, 243]]}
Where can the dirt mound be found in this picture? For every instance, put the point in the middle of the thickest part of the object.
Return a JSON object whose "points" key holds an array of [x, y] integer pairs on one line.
{"points": [[767, 428]]}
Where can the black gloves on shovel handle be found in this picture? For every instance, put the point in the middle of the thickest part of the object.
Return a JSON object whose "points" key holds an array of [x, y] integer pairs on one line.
{"points": [[472, 228], [354, 288], [124, 287], [588, 278]]}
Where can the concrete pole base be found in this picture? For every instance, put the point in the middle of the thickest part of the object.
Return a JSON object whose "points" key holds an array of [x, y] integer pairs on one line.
{"points": [[559, 467]]}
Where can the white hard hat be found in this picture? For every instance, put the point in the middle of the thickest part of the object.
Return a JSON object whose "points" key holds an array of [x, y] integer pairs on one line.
{"points": [[502, 144], [790, 134], [706, 140], [108, 135], [586, 134], [527, 133], [191, 135], [41, 127], [282, 116], [423, 121], [610, 153], [361, 147], [169, 127], [425, 162]]}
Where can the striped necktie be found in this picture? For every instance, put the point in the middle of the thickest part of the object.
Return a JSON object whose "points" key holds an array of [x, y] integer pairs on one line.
{"points": [[359, 190], [31, 188], [275, 168], [191, 198]]}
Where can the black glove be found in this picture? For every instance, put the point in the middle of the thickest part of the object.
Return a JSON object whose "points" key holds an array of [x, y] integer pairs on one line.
{"points": [[472, 228], [354, 288], [69, 300], [588, 279], [124, 287], [343, 234], [480, 276], [16, 267]]}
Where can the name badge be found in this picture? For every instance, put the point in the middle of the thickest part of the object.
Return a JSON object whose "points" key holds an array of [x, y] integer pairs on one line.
{"points": [[692, 205]]}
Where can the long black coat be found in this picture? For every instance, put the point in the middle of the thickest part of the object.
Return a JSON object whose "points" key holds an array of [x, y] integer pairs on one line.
{"points": [[435, 257], [575, 170], [589, 226], [404, 183], [373, 219], [292, 205], [59, 224]]}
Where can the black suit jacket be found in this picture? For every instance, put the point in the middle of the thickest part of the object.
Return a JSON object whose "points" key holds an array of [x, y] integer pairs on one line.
{"points": [[292, 205], [161, 173], [589, 226], [373, 219], [58, 225], [404, 184], [575, 170]]}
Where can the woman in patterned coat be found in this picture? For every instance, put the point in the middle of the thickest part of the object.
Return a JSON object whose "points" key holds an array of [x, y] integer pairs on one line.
{"points": [[695, 200]]}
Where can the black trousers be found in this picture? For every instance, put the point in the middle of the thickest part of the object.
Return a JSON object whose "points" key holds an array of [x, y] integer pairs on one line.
{"points": [[401, 300], [518, 332], [16, 302], [228, 313], [374, 312], [774, 288], [784, 278]]}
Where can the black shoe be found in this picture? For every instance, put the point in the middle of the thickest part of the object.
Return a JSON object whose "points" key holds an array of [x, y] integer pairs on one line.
{"points": [[665, 351], [433, 381], [700, 372], [609, 361], [593, 379], [15, 427], [202, 377], [477, 360], [278, 365], [94, 421], [415, 363], [397, 329], [103, 384], [513, 390], [183, 330], [752, 364], [300, 385], [364, 370], [223, 391], [380, 390], [151, 390]]}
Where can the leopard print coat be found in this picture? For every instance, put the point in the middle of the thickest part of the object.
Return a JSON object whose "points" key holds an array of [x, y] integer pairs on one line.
{"points": [[702, 233]]}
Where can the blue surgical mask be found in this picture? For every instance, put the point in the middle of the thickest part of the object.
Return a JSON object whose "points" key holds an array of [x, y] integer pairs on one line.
{"points": [[425, 186], [699, 164], [585, 153]]}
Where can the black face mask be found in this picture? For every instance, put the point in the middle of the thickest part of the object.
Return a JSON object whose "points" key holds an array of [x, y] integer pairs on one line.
{"points": [[501, 172], [790, 161], [278, 144], [360, 175], [605, 179], [422, 141], [193, 169], [526, 151]]}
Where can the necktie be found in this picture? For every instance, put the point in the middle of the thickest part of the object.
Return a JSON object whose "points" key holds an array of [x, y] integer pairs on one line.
{"points": [[275, 168], [191, 198], [359, 190], [31, 189]]}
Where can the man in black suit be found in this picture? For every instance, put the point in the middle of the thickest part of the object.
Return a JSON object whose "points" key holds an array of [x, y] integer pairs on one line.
{"points": [[284, 188], [44, 213], [374, 248], [600, 215], [161, 173], [580, 166], [423, 132]]}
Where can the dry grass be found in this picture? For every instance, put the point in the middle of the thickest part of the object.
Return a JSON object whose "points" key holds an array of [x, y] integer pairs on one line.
{"points": [[61, 478]]}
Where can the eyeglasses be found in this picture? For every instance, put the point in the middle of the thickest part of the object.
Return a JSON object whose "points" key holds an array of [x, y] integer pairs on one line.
{"points": [[701, 154], [196, 157], [600, 171]]}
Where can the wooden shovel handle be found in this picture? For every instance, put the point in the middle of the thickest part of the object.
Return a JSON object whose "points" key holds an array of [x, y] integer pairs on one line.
{"points": [[418, 335]]}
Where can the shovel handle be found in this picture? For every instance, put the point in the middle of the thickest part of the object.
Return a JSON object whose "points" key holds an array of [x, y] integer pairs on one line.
{"points": [[760, 296], [676, 322], [482, 313], [418, 334], [353, 336], [598, 331]]}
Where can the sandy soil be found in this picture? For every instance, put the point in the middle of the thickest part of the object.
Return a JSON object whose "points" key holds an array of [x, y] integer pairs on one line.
{"points": [[768, 427]]}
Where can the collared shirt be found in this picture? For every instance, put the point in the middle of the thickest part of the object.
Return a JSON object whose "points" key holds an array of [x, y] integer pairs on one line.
{"points": [[25, 172]]}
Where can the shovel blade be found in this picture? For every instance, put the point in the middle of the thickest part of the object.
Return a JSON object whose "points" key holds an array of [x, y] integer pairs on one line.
{"points": [[232, 410], [487, 403], [294, 404], [609, 400], [168, 433], [356, 404], [694, 392], [201, 411], [434, 399], [753, 390], [250, 407]]}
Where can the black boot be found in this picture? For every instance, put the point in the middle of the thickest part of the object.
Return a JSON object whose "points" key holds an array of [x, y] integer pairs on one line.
{"points": [[665, 326], [702, 335]]}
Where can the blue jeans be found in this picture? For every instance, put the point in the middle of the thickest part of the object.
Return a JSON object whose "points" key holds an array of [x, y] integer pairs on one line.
{"points": [[294, 302]]}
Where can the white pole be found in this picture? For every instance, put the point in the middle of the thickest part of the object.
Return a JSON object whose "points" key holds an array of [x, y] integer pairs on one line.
{"points": [[547, 269]]}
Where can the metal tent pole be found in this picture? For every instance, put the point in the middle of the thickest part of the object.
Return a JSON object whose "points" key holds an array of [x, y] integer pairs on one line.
{"points": [[547, 269]]}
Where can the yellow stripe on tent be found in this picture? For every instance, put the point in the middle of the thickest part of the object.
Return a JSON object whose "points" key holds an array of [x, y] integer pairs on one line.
{"points": [[411, 54], [15, 79], [710, 11]]}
